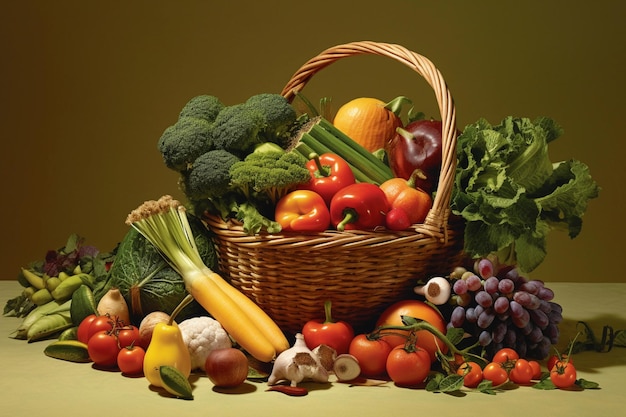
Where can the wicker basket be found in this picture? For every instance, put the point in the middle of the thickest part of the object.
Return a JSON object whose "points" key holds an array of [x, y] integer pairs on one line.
{"points": [[361, 272]]}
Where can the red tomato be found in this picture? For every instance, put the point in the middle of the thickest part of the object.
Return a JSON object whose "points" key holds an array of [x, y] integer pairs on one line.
{"points": [[408, 368], [100, 323], [419, 310], [505, 355], [536, 369], [103, 349], [82, 334], [495, 373], [472, 374], [128, 336], [130, 360], [371, 353], [563, 374], [522, 372]]}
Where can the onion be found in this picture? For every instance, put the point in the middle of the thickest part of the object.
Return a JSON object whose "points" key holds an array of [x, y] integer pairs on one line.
{"points": [[147, 326], [227, 367]]}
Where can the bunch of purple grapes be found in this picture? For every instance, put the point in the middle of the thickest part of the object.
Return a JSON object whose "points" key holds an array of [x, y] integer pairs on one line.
{"points": [[502, 308]]}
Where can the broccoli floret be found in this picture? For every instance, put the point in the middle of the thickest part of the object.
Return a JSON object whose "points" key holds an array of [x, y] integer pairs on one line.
{"points": [[204, 107], [266, 176], [184, 141], [209, 176], [236, 129], [278, 114]]}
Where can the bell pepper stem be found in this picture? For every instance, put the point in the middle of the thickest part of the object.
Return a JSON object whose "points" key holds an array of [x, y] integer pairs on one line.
{"points": [[323, 171], [328, 312], [417, 174], [350, 216]]}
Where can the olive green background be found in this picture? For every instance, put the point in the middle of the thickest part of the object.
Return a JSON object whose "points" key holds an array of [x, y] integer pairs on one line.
{"points": [[87, 88]]}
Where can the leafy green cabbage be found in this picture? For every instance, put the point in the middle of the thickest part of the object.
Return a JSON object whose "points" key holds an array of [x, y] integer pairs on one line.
{"points": [[147, 281], [511, 195]]}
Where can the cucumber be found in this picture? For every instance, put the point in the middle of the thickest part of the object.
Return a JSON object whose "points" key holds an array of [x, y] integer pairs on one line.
{"points": [[69, 334], [68, 350], [175, 382], [83, 304]]}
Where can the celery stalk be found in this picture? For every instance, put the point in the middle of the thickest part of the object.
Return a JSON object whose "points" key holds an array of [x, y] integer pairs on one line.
{"points": [[310, 144], [322, 136]]}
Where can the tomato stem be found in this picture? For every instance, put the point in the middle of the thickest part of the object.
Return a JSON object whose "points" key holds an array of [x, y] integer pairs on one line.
{"points": [[418, 324]]}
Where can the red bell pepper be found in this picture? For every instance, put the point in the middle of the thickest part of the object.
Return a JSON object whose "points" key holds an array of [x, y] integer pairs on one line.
{"points": [[360, 206], [334, 333], [302, 211], [329, 174]]}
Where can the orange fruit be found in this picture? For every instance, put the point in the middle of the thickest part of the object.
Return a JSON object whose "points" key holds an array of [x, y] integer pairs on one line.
{"points": [[368, 122]]}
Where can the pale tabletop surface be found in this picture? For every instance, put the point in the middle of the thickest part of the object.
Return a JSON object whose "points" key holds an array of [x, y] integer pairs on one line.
{"points": [[33, 384]]}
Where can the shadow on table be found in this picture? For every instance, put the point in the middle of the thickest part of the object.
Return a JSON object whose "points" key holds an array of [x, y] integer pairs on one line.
{"points": [[598, 356]]}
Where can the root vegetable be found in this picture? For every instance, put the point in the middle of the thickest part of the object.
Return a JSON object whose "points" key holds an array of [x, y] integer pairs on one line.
{"points": [[147, 326], [114, 304], [346, 367], [437, 290]]}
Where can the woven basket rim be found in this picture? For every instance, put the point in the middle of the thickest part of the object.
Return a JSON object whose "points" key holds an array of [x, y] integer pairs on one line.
{"points": [[437, 219]]}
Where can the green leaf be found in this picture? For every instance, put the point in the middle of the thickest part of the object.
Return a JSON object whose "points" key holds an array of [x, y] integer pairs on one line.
{"points": [[511, 195], [432, 385], [486, 387], [455, 335], [583, 383], [451, 383], [544, 384]]}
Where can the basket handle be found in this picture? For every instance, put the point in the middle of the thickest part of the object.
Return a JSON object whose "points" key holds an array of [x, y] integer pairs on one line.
{"points": [[438, 215]]}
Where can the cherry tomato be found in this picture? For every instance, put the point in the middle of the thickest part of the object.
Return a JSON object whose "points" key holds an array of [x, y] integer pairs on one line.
{"points": [[472, 374], [408, 367], [130, 360], [82, 334], [103, 349], [495, 373], [128, 336], [419, 310], [522, 372], [552, 360], [536, 369], [505, 355], [100, 323], [563, 374], [371, 353]]}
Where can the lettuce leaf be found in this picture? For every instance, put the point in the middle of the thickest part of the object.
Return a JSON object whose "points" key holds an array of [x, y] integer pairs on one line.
{"points": [[510, 193]]}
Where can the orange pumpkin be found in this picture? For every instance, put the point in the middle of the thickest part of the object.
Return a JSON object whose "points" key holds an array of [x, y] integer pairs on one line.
{"points": [[368, 122]]}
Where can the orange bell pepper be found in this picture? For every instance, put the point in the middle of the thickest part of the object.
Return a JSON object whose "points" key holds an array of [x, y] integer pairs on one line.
{"points": [[302, 211], [403, 194]]}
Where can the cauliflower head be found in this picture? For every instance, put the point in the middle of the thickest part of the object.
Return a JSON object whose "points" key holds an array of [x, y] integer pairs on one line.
{"points": [[201, 336]]}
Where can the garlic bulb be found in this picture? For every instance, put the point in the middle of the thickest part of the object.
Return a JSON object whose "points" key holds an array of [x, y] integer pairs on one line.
{"points": [[437, 290], [297, 364]]}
